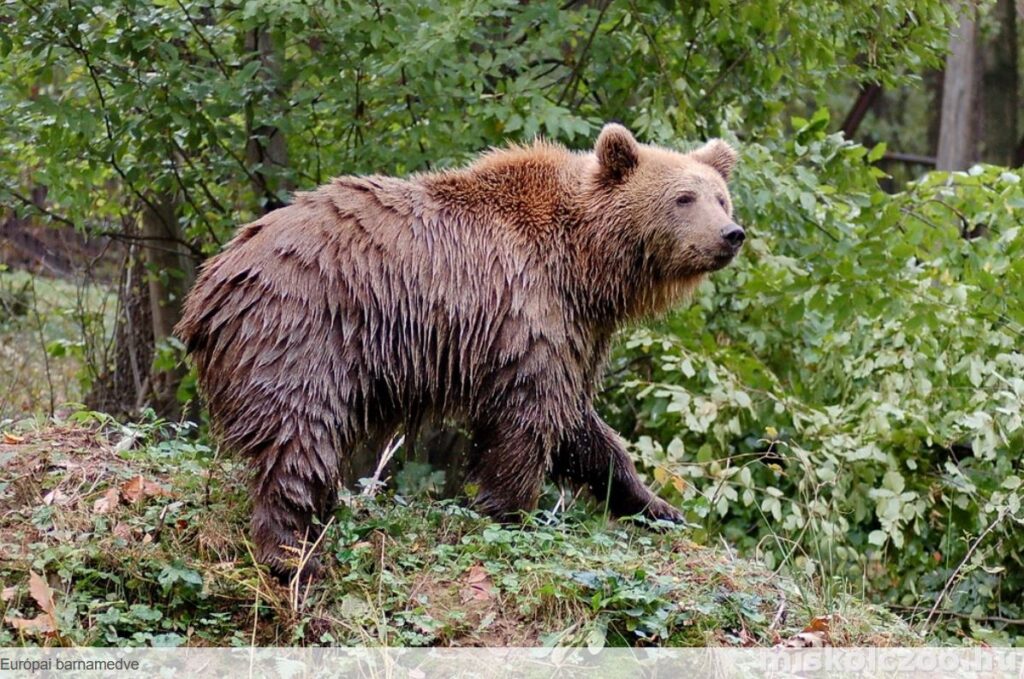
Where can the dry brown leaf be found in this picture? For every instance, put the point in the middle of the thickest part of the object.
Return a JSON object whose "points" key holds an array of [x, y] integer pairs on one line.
{"points": [[478, 585], [815, 635], [139, 488], [820, 623], [42, 623], [108, 502], [8, 593], [45, 622], [41, 592], [123, 531], [12, 438]]}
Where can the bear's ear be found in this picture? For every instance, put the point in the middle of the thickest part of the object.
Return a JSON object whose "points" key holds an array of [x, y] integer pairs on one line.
{"points": [[719, 155], [617, 152]]}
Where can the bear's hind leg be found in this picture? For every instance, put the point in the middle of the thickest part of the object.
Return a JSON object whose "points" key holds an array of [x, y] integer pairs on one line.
{"points": [[295, 482]]}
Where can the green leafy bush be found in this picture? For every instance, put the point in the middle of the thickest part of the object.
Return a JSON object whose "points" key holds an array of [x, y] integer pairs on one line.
{"points": [[848, 398]]}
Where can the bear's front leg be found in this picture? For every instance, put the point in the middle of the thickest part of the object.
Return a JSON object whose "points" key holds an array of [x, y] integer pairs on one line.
{"points": [[592, 455]]}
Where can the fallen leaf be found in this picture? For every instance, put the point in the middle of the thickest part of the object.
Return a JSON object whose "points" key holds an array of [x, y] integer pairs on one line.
{"points": [[478, 585], [56, 497], [12, 438], [820, 623], [41, 592], [127, 441], [815, 635], [139, 488], [45, 622], [108, 502], [42, 623], [8, 593], [123, 531]]}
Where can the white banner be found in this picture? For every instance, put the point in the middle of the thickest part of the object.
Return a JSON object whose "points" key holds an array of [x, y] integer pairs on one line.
{"points": [[414, 663]]}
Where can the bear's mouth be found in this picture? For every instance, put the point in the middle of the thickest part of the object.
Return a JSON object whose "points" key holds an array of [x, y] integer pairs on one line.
{"points": [[701, 260], [721, 258]]}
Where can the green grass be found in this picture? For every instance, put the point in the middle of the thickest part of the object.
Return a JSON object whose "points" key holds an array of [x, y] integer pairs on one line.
{"points": [[165, 561]]}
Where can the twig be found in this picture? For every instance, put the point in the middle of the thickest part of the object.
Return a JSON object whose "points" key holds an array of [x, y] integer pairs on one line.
{"points": [[728, 549], [963, 616], [42, 344], [40, 208], [389, 451], [909, 158], [160, 522], [412, 114], [561, 501], [202, 37], [209, 477], [252, 638], [722, 75], [779, 614], [188, 194], [952, 577], [304, 558], [574, 76], [194, 251], [93, 75]]}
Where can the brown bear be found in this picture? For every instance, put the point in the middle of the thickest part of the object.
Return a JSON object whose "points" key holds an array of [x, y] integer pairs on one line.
{"points": [[486, 295]]}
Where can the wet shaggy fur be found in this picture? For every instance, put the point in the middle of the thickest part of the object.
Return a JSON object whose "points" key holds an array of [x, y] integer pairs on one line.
{"points": [[487, 295]]}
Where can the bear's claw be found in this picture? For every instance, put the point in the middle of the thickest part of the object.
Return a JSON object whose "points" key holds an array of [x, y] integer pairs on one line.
{"points": [[659, 510]]}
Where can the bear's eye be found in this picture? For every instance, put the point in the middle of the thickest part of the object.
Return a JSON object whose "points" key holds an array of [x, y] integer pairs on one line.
{"points": [[686, 199], [721, 201]]}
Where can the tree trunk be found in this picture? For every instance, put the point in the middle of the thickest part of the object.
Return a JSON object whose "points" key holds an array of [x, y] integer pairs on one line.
{"points": [[266, 149], [170, 272], [958, 139], [121, 388], [1001, 95]]}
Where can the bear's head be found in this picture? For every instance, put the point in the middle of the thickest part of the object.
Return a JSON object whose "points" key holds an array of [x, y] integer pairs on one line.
{"points": [[675, 205]]}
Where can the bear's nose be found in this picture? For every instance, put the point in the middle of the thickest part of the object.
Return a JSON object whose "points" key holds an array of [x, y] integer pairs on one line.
{"points": [[734, 235]]}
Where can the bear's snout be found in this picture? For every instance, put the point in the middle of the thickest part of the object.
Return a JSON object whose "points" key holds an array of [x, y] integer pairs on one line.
{"points": [[734, 235]]}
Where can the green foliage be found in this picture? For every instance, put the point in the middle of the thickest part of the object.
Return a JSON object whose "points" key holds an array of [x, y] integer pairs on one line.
{"points": [[847, 400], [109, 103]]}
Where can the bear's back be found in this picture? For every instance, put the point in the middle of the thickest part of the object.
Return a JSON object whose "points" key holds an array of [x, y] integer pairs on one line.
{"points": [[380, 284]]}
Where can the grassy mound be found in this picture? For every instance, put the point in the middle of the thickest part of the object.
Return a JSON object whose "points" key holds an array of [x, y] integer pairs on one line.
{"points": [[115, 535]]}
